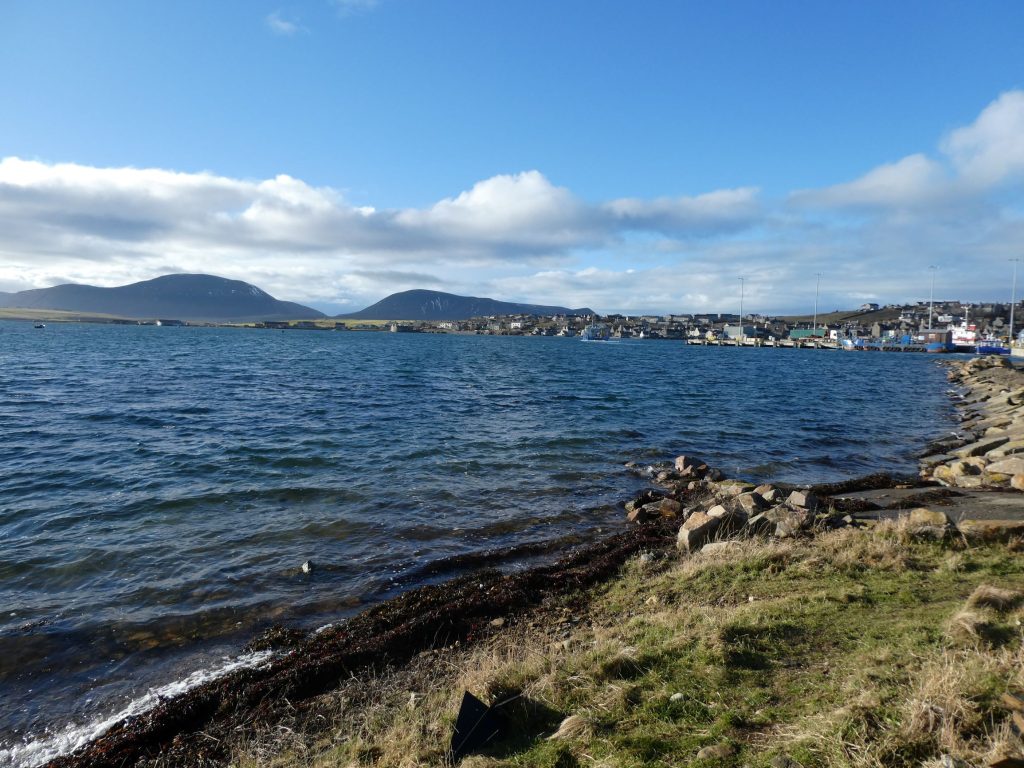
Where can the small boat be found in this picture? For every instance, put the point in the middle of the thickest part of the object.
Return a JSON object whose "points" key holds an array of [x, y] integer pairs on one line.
{"points": [[39, 325], [991, 346], [595, 332]]}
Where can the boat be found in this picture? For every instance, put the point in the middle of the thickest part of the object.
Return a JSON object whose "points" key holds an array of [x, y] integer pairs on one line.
{"points": [[937, 340], [595, 332], [965, 335], [39, 325], [991, 346]]}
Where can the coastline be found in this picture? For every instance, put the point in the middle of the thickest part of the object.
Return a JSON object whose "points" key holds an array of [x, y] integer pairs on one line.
{"points": [[463, 612]]}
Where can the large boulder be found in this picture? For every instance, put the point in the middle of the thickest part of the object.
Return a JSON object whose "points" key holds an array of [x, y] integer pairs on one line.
{"points": [[788, 521], [1017, 482], [925, 516], [751, 503], [733, 487], [698, 528], [691, 466], [670, 508], [1012, 466], [803, 500], [981, 446]]}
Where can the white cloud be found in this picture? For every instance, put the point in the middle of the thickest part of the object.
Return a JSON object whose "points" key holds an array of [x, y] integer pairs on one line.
{"points": [[910, 182], [280, 25], [522, 237], [991, 149]]}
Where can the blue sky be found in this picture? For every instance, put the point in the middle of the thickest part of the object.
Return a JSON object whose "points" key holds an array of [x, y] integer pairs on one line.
{"points": [[629, 156]]}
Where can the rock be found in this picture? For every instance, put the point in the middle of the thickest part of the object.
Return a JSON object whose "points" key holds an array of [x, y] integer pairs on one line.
{"points": [[718, 511], [759, 525], [803, 500], [788, 522], [718, 751], [923, 516], [639, 515], [697, 529], [715, 474], [783, 761], [498, 623], [1017, 482], [751, 503], [970, 481], [1014, 466], [772, 496], [670, 508], [961, 468], [981, 447], [307, 567], [677, 697], [995, 479], [944, 475], [719, 547], [1006, 449], [733, 487], [691, 466], [992, 530]]}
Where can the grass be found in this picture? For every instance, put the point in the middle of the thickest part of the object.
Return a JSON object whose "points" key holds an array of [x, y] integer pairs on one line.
{"points": [[857, 648]]}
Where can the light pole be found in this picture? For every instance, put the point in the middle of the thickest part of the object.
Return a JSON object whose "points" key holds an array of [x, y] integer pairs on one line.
{"points": [[1013, 297], [931, 297], [817, 287], [739, 338]]}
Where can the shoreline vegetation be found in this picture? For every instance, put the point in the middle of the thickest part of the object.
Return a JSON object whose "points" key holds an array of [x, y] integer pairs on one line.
{"points": [[865, 623]]}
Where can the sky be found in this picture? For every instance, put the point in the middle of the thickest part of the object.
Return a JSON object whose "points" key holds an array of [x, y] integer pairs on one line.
{"points": [[631, 157]]}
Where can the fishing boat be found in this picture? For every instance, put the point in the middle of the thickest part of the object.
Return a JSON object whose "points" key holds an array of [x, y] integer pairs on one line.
{"points": [[991, 346], [39, 325], [595, 332]]}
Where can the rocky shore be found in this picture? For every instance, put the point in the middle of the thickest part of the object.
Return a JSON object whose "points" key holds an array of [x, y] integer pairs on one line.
{"points": [[988, 452], [692, 507]]}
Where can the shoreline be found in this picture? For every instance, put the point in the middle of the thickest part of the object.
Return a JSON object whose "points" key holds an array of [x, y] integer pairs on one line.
{"points": [[461, 612]]}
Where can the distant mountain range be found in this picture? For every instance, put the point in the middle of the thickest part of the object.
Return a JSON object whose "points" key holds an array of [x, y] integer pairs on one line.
{"points": [[178, 297], [435, 305], [217, 299]]}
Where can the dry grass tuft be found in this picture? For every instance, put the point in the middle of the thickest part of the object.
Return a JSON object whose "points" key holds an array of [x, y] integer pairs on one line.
{"points": [[573, 727], [967, 628], [986, 596]]}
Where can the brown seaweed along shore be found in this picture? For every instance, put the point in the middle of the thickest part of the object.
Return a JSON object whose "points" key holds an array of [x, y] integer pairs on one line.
{"points": [[695, 515]]}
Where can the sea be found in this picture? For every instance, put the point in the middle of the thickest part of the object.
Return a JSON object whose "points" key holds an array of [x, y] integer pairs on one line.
{"points": [[161, 488]]}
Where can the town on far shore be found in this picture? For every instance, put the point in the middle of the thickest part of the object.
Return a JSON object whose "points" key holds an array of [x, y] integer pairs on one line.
{"points": [[906, 324]]}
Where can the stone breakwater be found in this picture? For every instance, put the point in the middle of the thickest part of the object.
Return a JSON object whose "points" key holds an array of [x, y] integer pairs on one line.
{"points": [[711, 508], [988, 452]]}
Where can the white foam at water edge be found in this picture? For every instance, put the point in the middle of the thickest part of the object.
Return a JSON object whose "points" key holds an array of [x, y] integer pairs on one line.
{"points": [[34, 752]]}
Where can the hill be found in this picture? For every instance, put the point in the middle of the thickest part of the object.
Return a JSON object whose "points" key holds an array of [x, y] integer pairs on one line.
{"points": [[436, 305], [179, 297]]}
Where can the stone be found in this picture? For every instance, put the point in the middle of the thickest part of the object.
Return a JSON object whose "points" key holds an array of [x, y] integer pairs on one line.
{"points": [[759, 525], [970, 481], [670, 508], [1006, 449], [691, 466], [803, 500], [639, 515], [788, 522], [1017, 482], [734, 487], [498, 623], [697, 529], [995, 479], [923, 516], [751, 503], [718, 751], [676, 697], [981, 446], [944, 475], [1012, 466], [307, 567], [718, 511], [992, 530], [960, 468], [719, 547]]}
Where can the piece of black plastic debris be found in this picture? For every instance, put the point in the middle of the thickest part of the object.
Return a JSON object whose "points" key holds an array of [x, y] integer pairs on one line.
{"points": [[476, 725]]}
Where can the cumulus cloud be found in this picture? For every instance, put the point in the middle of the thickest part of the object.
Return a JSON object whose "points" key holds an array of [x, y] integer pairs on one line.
{"points": [[522, 237], [991, 149]]}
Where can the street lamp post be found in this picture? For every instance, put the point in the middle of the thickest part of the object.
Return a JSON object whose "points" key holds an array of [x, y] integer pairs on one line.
{"points": [[817, 287], [931, 297], [1013, 297], [739, 337]]}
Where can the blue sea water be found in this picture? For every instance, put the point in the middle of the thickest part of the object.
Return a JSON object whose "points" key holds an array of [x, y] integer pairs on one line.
{"points": [[160, 488]]}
